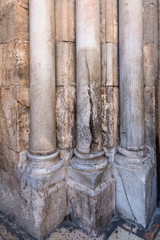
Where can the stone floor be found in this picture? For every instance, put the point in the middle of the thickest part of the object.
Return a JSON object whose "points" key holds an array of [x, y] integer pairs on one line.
{"points": [[117, 229]]}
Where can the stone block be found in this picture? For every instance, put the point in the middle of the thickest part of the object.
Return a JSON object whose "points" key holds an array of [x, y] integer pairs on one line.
{"points": [[91, 209], [38, 212], [22, 22], [150, 59], [65, 116], [150, 21], [109, 64], [109, 116], [22, 63], [65, 57], [111, 26], [8, 64], [150, 115], [135, 189], [65, 20], [13, 22], [23, 119]]}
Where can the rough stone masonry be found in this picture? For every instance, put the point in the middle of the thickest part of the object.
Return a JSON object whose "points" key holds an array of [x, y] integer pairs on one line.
{"points": [[78, 112]]}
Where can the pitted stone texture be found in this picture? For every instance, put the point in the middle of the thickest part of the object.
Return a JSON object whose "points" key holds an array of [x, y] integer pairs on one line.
{"points": [[150, 20], [136, 190], [150, 115], [38, 212], [65, 116], [91, 209], [109, 116], [14, 110], [13, 22]]}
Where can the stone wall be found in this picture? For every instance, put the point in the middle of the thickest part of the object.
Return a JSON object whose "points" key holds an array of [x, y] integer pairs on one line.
{"points": [[91, 188], [14, 81]]}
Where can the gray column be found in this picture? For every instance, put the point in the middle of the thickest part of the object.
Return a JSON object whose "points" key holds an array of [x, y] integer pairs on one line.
{"points": [[131, 78]]}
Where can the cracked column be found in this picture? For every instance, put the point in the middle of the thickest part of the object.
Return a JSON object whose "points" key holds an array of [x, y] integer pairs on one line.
{"points": [[135, 166], [42, 173], [89, 182]]}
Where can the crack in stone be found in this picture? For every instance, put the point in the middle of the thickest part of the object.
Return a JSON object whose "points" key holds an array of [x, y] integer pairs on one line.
{"points": [[90, 99], [127, 196]]}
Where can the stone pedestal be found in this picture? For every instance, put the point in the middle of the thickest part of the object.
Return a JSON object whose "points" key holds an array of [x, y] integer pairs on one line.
{"points": [[136, 188], [91, 197]]}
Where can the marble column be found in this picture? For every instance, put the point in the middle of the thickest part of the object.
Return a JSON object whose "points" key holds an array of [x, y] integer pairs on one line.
{"points": [[43, 155], [89, 182], [131, 78], [135, 165]]}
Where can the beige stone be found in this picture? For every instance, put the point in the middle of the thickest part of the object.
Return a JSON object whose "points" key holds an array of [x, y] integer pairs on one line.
{"points": [[13, 23], [109, 64], [150, 115], [110, 116], [109, 25], [65, 65], [111, 21], [65, 117], [65, 20]]}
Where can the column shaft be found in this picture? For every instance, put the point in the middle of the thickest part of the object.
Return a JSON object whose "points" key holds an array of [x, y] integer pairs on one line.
{"points": [[88, 76], [42, 77], [131, 75]]}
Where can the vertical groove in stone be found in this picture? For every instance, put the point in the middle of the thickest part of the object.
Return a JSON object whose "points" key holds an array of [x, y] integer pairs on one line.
{"points": [[131, 74], [65, 73], [42, 77], [89, 137], [109, 91]]}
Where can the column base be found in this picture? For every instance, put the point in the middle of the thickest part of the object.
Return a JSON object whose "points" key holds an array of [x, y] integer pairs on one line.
{"points": [[135, 188], [37, 211], [39, 172], [91, 195]]}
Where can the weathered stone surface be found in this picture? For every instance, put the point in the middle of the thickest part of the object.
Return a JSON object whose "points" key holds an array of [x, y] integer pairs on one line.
{"points": [[65, 63], [136, 189], [65, 20], [65, 117], [91, 209], [109, 116], [149, 65], [109, 64], [36, 211], [131, 74], [109, 25], [14, 96], [150, 115], [150, 21], [13, 22]]}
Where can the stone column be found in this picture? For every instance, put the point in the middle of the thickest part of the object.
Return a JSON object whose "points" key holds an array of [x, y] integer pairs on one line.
{"points": [[43, 156], [88, 172], [131, 77], [135, 166], [89, 131]]}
